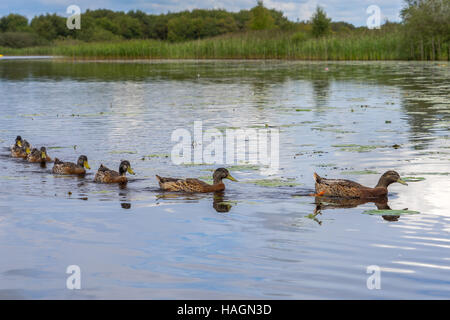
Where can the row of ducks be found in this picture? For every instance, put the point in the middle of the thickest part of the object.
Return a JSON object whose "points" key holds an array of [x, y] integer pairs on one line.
{"points": [[323, 186]]}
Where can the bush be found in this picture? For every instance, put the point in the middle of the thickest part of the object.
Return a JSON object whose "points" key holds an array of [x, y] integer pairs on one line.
{"points": [[20, 40], [299, 37]]}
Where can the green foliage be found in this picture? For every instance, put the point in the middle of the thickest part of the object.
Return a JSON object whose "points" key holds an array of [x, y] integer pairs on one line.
{"points": [[427, 27], [299, 37], [320, 23], [13, 23], [20, 39], [261, 18], [50, 26]]}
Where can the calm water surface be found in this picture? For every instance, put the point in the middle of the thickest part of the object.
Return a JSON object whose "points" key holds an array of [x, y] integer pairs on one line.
{"points": [[254, 241]]}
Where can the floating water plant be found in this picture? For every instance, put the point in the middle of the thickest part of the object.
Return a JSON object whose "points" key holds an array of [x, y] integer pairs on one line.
{"points": [[244, 167], [413, 179], [157, 155], [356, 147], [276, 182], [360, 172], [390, 212], [430, 173], [122, 152]]}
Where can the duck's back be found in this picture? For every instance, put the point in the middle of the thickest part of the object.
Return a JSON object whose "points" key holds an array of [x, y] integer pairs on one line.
{"points": [[61, 167], [106, 175], [339, 187], [187, 185]]}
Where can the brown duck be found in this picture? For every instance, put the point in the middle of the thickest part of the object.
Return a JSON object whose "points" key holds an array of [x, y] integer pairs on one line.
{"points": [[78, 168], [21, 148], [195, 185], [350, 189], [39, 156], [105, 175]]}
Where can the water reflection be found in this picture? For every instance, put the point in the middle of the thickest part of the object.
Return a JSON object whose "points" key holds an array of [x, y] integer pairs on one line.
{"points": [[324, 203], [221, 203]]}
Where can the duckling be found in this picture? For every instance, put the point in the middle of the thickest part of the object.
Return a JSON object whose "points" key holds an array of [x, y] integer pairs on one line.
{"points": [[17, 144], [39, 156], [195, 185], [79, 168], [21, 148], [105, 175], [349, 189]]}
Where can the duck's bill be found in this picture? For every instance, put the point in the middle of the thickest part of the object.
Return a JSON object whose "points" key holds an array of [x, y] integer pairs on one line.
{"points": [[130, 171], [231, 178], [27, 150], [19, 144], [43, 155], [402, 181], [86, 165]]}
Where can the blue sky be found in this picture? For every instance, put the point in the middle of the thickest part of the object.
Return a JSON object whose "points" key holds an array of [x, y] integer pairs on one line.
{"points": [[353, 11]]}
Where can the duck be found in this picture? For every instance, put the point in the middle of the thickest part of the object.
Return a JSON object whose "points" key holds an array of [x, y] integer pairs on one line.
{"points": [[195, 185], [105, 175], [21, 148], [38, 155], [79, 168], [350, 189]]}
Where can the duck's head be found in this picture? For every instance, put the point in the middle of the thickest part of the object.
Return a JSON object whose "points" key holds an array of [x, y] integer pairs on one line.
{"points": [[43, 153], [83, 162], [222, 173], [390, 177], [125, 167], [19, 141]]}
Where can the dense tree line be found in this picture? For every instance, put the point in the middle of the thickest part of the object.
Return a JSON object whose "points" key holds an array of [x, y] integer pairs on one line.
{"points": [[106, 25], [427, 25]]}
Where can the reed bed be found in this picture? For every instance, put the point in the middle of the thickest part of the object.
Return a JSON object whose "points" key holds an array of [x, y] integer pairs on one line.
{"points": [[387, 46]]}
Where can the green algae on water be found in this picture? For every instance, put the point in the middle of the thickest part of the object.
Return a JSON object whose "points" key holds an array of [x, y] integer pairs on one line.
{"points": [[276, 182], [390, 212], [356, 147], [360, 172], [244, 167], [413, 179], [122, 152]]}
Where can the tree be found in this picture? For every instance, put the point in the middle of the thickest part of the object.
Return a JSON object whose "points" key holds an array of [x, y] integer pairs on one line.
{"points": [[13, 23], [50, 26], [261, 19], [427, 26], [320, 23]]}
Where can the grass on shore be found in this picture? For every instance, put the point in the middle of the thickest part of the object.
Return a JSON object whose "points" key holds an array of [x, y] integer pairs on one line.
{"points": [[386, 46]]}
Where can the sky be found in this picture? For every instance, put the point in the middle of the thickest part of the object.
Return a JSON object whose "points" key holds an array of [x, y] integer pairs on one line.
{"points": [[353, 11]]}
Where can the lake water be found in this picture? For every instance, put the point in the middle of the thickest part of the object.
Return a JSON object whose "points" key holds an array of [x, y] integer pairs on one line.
{"points": [[256, 240]]}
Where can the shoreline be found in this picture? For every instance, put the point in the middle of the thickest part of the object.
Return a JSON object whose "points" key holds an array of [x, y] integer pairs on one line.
{"points": [[156, 60]]}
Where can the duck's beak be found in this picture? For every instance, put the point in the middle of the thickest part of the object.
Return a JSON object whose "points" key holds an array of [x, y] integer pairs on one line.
{"points": [[19, 144], [86, 165], [402, 181], [231, 178], [27, 150], [43, 155], [130, 171]]}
